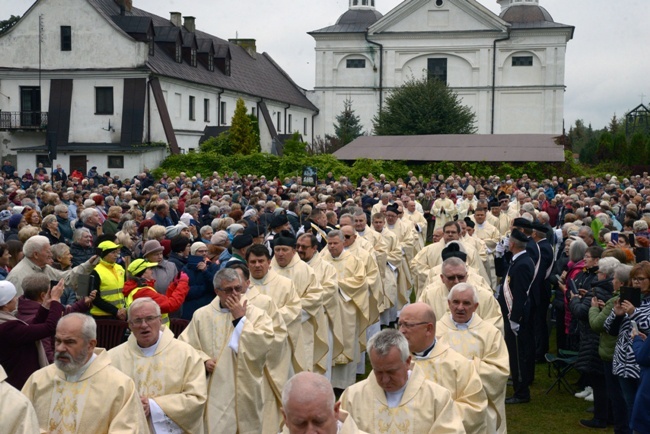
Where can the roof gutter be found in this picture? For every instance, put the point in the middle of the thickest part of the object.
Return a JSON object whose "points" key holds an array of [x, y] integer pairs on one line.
{"points": [[381, 70], [494, 75]]}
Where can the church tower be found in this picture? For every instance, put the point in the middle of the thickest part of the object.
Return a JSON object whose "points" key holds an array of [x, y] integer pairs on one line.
{"points": [[362, 4]]}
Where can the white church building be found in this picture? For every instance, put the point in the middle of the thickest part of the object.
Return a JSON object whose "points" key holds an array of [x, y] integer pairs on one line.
{"points": [[508, 68]]}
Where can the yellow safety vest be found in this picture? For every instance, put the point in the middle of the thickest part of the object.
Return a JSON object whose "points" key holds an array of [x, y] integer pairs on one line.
{"points": [[131, 297], [111, 278]]}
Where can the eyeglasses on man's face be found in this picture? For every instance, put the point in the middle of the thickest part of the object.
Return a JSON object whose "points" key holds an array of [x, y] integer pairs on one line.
{"points": [[146, 319]]}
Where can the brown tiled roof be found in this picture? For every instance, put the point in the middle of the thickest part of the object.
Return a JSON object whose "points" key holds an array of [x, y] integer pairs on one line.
{"points": [[455, 147], [260, 77]]}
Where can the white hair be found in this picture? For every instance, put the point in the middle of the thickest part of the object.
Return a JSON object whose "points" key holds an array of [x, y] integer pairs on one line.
{"points": [[463, 287], [140, 301], [35, 244]]}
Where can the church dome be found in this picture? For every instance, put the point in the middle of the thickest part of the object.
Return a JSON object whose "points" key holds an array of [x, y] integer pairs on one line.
{"points": [[526, 14], [367, 17]]}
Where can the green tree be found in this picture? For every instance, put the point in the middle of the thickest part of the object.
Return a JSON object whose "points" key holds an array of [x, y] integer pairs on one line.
{"points": [[242, 133], [614, 125], [6, 25], [619, 149], [218, 145], [637, 153], [605, 149], [348, 124], [424, 106], [294, 146]]}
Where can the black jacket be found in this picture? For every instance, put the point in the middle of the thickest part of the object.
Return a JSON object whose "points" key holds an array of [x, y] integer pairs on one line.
{"points": [[520, 275]]}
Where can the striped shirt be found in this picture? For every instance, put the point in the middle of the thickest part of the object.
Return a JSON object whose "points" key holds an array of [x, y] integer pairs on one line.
{"points": [[624, 363]]}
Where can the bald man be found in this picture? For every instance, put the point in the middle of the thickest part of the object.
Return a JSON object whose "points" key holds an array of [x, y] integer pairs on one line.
{"points": [[308, 405], [444, 366]]}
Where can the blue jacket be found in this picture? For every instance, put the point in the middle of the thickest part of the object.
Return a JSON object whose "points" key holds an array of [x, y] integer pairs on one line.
{"points": [[201, 291], [640, 416]]}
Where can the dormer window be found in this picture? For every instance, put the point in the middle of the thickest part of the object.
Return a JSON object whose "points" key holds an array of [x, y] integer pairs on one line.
{"points": [[210, 62], [227, 67], [152, 44], [179, 52], [193, 57]]}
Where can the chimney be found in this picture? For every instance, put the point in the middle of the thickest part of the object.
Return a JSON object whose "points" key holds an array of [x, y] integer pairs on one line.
{"points": [[175, 18], [125, 5], [246, 44], [189, 23]]}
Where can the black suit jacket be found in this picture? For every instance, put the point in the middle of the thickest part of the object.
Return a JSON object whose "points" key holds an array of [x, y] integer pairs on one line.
{"points": [[541, 288], [519, 277]]}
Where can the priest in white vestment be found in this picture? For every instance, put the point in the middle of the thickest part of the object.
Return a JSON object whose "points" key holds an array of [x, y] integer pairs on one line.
{"points": [[354, 308], [169, 375], [444, 366], [419, 223], [233, 336], [309, 405], [81, 392], [18, 415], [467, 333], [443, 209], [395, 399]]}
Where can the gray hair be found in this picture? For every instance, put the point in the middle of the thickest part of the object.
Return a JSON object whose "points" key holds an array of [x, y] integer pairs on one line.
{"points": [[622, 272], [453, 262], [347, 215], [640, 226], [58, 250], [34, 284], [336, 233], [78, 233], [608, 265], [386, 340], [225, 275], [463, 287], [50, 218], [318, 386], [35, 244], [88, 325], [87, 213], [577, 250], [205, 229], [143, 300], [60, 208]]}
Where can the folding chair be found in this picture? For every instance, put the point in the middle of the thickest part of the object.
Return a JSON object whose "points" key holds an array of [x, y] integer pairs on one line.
{"points": [[562, 364], [177, 325], [110, 332]]}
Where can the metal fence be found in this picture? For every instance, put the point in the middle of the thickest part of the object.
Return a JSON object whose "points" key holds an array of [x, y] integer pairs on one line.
{"points": [[23, 120]]}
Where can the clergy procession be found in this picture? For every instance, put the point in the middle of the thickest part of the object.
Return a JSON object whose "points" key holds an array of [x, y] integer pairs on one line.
{"points": [[257, 306]]}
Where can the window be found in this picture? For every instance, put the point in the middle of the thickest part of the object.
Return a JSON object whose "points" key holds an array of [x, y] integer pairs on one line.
{"points": [[279, 118], [103, 100], [179, 51], [45, 159], [151, 42], [355, 63], [223, 113], [191, 150], [227, 67], [304, 126], [437, 69], [66, 38], [116, 162], [254, 111], [193, 57], [522, 60], [290, 127], [192, 108], [206, 110], [210, 62]]}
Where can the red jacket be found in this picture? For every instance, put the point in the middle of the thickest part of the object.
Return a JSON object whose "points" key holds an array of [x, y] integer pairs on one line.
{"points": [[170, 302]]}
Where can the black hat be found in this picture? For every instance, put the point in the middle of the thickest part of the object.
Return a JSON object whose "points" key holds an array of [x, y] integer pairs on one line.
{"points": [[469, 222], [453, 251], [254, 231], [284, 238], [494, 203], [539, 227], [393, 208], [242, 241], [278, 220], [502, 196], [518, 235], [522, 223]]}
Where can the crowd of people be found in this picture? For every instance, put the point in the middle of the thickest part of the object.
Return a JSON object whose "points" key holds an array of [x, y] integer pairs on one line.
{"points": [[447, 285]]}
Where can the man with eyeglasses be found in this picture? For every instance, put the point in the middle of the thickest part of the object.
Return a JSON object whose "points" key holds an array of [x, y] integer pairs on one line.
{"points": [[90, 394], [477, 340], [234, 334], [396, 396], [444, 366], [452, 272], [287, 263], [169, 375]]}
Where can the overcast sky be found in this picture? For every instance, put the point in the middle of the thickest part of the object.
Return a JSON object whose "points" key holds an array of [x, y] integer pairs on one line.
{"points": [[608, 61]]}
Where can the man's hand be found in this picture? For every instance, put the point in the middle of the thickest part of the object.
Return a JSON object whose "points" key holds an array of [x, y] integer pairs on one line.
{"points": [[210, 365], [515, 327], [145, 406], [236, 310], [121, 314]]}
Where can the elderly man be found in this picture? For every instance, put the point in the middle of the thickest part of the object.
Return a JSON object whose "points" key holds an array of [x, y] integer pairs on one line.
{"points": [[497, 217], [169, 374], [403, 230], [81, 392], [443, 209], [38, 259], [393, 399], [307, 248], [308, 405], [466, 332], [233, 336], [354, 308], [454, 271], [18, 415], [419, 223], [467, 206], [490, 236], [314, 322], [82, 246], [444, 366], [91, 220]]}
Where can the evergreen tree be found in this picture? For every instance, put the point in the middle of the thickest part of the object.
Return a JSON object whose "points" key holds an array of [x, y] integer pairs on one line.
{"points": [[348, 124], [6, 25], [424, 106], [242, 134], [294, 146], [637, 150]]}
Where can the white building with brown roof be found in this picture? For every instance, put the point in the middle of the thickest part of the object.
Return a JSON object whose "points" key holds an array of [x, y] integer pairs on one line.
{"points": [[508, 68], [100, 78]]}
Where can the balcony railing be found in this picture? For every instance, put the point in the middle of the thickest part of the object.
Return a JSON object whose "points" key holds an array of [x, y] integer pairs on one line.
{"points": [[23, 120]]}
